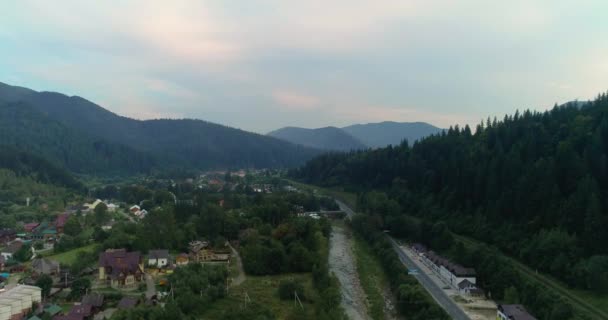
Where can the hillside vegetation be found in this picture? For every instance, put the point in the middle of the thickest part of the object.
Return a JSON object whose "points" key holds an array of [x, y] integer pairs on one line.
{"points": [[533, 184], [87, 138]]}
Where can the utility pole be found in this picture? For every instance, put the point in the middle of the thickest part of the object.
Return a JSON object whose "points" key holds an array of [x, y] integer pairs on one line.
{"points": [[296, 300], [247, 299]]}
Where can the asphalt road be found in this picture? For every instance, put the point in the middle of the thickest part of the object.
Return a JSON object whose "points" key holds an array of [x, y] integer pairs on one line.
{"points": [[438, 294]]}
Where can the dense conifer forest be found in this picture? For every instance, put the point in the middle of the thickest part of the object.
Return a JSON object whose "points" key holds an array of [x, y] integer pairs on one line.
{"points": [[534, 184]]}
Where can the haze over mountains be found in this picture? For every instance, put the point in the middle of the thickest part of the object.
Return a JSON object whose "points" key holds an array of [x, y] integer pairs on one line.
{"points": [[328, 138], [358, 136], [83, 137], [86, 138]]}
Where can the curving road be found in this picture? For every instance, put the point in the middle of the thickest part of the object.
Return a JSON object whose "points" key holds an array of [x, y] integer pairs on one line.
{"points": [[436, 292]]}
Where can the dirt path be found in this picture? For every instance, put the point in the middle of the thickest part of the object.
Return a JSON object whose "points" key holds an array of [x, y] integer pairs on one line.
{"points": [[342, 264], [150, 287], [240, 278]]}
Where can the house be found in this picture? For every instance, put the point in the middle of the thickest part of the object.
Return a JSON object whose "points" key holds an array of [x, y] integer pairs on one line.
{"points": [[465, 286], [182, 259], [201, 251], [30, 227], [142, 213], [45, 266], [60, 221], [53, 310], [38, 233], [11, 249], [138, 211], [120, 268], [419, 248], [82, 311], [158, 258], [513, 312], [451, 273], [69, 316], [455, 274], [91, 206], [112, 207], [95, 300], [127, 303], [49, 234], [7, 235], [17, 302]]}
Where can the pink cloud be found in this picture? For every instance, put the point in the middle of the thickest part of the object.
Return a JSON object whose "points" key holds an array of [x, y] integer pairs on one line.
{"points": [[295, 101]]}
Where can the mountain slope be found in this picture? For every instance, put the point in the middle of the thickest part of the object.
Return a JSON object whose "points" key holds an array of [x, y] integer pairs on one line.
{"points": [[25, 128], [25, 164], [176, 143], [328, 138], [534, 185], [378, 135]]}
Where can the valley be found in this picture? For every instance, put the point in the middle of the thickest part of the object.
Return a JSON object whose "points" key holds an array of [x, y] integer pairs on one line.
{"points": [[303, 160]]}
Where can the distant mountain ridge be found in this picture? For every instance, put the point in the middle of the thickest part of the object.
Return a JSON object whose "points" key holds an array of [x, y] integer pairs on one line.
{"points": [[328, 138], [379, 135], [358, 136], [86, 138]]}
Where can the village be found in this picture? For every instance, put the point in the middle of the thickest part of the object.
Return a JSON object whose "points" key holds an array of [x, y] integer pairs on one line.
{"points": [[39, 279], [77, 264], [133, 275]]}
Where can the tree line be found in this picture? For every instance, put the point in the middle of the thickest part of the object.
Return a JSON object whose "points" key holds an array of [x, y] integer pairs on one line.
{"points": [[534, 184]]}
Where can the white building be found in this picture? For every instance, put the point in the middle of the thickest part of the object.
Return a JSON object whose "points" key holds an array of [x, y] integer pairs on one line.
{"points": [[18, 301], [91, 206], [451, 273], [8, 252], [112, 207], [158, 258]]}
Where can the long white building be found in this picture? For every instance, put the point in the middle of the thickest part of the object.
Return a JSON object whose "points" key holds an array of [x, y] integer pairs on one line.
{"points": [[452, 273], [18, 301]]}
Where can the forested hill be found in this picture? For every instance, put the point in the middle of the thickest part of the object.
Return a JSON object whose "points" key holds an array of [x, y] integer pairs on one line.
{"points": [[534, 184], [328, 138], [178, 143], [28, 165], [25, 128]]}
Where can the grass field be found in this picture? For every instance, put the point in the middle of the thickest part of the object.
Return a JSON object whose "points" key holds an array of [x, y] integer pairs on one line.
{"points": [[372, 278], [69, 257], [263, 290]]}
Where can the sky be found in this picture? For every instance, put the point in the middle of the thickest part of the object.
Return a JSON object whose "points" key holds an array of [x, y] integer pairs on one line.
{"points": [[260, 65]]}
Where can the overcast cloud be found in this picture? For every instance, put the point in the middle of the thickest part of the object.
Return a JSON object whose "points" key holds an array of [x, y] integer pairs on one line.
{"points": [[263, 64]]}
